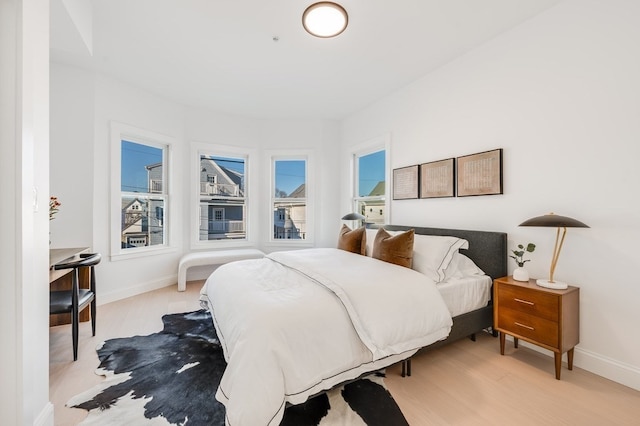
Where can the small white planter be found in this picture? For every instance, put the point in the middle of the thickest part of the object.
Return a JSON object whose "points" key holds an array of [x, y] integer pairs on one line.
{"points": [[520, 274]]}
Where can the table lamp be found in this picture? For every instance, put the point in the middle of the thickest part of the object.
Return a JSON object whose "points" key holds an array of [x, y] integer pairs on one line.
{"points": [[552, 220], [354, 217]]}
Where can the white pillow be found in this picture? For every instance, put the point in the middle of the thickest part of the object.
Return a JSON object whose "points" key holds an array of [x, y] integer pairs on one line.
{"points": [[461, 266], [432, 254], [371, 235]]}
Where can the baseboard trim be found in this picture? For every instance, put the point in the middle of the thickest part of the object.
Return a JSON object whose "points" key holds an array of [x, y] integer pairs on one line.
{"points": [[609, 368], [138, 289], [45, 418]]}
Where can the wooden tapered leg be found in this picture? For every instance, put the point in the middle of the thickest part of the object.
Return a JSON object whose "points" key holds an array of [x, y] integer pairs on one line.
{"points": [[502, 336], [558, 358], [570, 359]]}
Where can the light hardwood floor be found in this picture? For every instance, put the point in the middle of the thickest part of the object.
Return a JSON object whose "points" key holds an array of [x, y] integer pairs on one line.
{"points": [[465, 383]]}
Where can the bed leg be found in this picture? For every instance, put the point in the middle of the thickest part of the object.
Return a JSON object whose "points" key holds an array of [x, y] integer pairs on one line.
{"points": [[406, 367], [472, 336]]}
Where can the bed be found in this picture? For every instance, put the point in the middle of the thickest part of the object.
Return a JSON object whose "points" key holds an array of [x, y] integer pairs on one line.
{"points": [[292, 327], [488, 250]]}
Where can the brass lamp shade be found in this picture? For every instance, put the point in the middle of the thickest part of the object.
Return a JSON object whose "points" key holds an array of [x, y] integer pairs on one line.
{"points": [[561, 223]]}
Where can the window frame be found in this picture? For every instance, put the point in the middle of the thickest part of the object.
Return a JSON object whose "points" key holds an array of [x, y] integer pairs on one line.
{"points": [[123, 132], [381, 143], [218, 150], [292, 155]]}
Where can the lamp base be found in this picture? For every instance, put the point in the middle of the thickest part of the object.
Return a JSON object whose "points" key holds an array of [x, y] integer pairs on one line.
{"points": [[556, 285]]}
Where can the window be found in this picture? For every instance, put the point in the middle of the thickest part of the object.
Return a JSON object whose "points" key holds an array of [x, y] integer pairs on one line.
{"points": [[370, 185], [222, 197], [143, 199], [140, 194], [289, 198]]}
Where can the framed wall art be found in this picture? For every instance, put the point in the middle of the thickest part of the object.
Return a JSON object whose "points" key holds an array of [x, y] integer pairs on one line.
{"points": [[480, 174], [405, 183], [437, 179]]}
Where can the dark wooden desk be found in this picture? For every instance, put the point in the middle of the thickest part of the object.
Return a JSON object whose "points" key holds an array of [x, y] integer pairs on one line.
{"points": [[61, 280]]}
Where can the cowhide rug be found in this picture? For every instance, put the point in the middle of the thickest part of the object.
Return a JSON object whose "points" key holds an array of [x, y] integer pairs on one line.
{"points": [[171, 377]]}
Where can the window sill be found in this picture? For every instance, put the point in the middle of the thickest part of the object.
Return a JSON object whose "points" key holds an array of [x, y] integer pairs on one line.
{"points": [[290, 243], [142, 252], [221, 244]]}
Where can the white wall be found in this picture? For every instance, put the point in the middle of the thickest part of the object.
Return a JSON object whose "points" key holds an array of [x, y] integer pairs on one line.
{"points": [[560, 95], [24, 154], [71, 130]]}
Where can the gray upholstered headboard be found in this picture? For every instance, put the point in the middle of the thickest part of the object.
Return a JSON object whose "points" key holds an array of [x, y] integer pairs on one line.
{"points": [[486, 248]]}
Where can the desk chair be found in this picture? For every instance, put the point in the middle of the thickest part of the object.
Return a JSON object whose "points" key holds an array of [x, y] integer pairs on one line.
{"points": [[75, 300]]}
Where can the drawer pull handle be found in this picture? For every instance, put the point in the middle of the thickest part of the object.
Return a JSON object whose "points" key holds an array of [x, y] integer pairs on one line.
{"points": [[526, 302], [525, 326]]}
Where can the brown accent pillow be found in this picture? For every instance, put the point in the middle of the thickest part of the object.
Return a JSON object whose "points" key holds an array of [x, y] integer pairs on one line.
{"points": [[354, 241], [396, 249]]}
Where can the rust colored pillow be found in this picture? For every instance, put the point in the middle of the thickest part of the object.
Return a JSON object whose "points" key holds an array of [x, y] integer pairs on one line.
{"points": [[396, 249], [353, 241]]}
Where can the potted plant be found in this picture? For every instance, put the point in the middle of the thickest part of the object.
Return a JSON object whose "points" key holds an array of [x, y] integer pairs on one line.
{"points": [[54, 206], [520, 273]]}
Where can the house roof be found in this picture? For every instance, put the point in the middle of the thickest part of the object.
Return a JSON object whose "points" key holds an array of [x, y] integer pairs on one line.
{"points": [[378, 190], [299, 192]]}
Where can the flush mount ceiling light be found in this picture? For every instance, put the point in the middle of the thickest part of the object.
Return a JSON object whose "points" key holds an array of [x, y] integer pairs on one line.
{"points": [[325, 19]]}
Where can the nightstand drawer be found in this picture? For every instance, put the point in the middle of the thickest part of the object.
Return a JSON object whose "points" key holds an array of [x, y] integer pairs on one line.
{"points": [[532, 302], [528, 326]]}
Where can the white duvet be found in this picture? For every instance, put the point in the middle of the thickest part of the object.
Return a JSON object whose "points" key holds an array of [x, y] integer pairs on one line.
{"points": [[299, 322]]}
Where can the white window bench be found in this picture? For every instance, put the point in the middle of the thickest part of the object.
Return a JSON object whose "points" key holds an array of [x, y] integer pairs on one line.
{"points": [[218, 257]]}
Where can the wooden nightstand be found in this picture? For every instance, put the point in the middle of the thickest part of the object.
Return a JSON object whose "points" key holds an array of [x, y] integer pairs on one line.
{"points": [[544, 317]]}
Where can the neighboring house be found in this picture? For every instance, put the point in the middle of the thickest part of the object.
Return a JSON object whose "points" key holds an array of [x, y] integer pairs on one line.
{"points": [[373, 210], [221, 201], [143, 217], [221, 207], [290, 218], [141, 223]]}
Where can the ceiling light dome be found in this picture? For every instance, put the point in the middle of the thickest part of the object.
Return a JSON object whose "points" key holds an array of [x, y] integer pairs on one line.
{"points": [[325, 19]]}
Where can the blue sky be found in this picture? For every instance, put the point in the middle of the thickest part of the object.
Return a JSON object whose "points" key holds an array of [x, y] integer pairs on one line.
{"points": [[370, 171], [290, 174], [134, 158]]}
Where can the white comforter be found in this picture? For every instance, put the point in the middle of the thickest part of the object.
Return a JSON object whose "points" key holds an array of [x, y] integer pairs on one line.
{"points": [[299, 322]]}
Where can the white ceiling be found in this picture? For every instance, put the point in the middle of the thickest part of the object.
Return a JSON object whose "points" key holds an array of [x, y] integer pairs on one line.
{"points": [[220, 54]]}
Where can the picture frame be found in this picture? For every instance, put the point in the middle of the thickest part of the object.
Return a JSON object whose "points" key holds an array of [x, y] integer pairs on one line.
{"points": [[406, 183], [479, 174], [437, 179]]}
